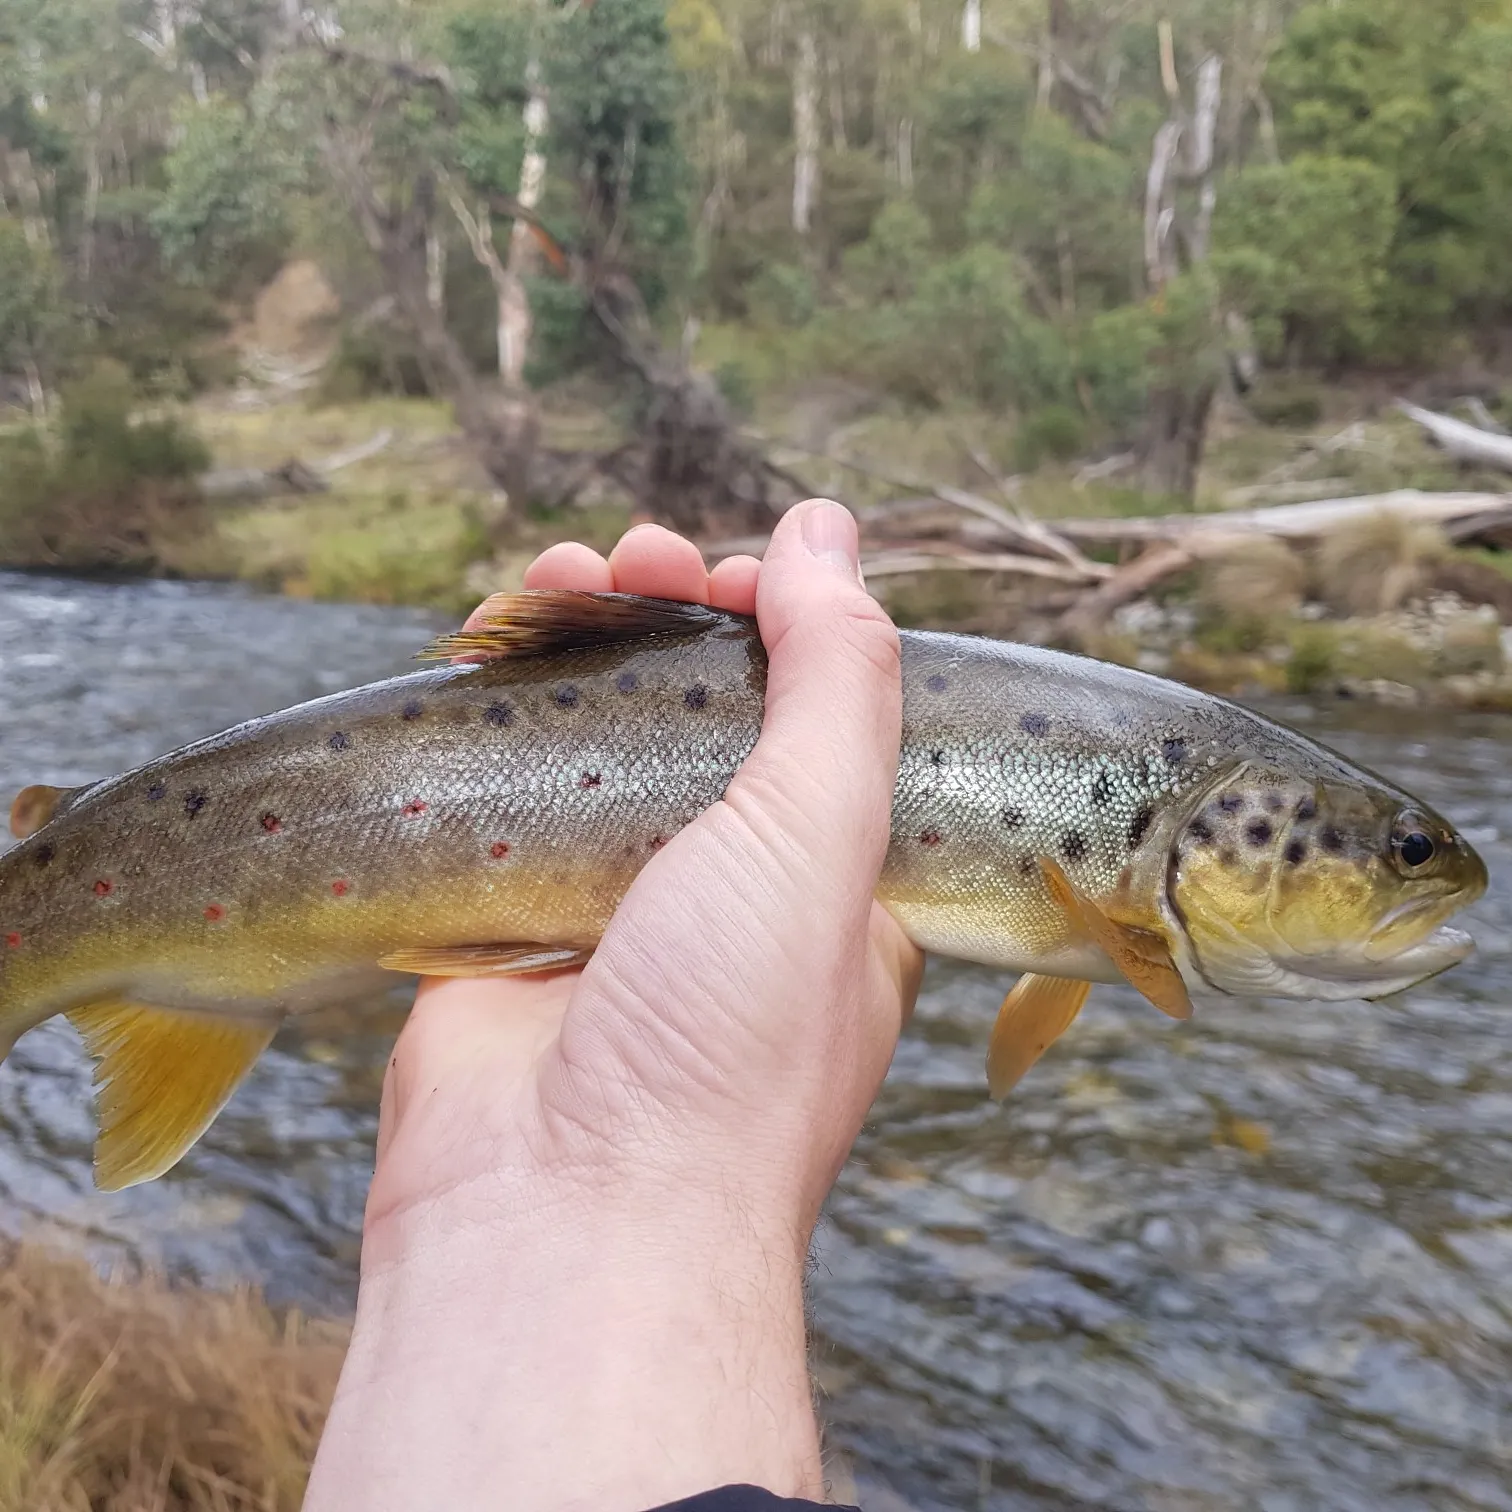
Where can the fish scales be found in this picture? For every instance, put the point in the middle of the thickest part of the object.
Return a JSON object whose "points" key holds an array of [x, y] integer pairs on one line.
{"points": [[1052, 814]]}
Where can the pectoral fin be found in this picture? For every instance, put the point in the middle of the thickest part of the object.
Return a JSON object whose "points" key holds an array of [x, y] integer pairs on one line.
{"points": [[33, 806], [162, 1077], [1142, 955], [484, 960], [1036, 1012]]}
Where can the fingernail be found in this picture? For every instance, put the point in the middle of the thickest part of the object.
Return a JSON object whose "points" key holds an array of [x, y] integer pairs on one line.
{"points": [[829, 532]]}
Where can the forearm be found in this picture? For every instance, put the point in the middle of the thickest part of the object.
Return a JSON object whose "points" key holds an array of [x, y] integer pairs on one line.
{"points": [[561, 1364]]}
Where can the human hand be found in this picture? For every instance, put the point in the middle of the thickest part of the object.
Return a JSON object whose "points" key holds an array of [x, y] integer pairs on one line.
{"points": [[586, 1235]]}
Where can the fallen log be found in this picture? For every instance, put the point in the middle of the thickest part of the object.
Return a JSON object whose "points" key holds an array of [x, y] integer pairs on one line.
{"points": [[923, 559], [1129, 582], [227, 485], [1466, 443], [1457, 513]]}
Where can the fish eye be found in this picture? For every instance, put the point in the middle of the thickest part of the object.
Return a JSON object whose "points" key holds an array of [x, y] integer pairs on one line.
{"points": [[1411, 845]]}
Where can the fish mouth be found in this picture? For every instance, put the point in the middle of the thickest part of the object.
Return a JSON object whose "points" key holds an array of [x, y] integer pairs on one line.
{"points": [[1371, 979]]}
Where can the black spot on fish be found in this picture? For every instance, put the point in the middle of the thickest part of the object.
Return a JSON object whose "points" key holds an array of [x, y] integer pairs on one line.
{"points": [[498, 715], [1073, 846], [194, 801], [43, 855], [1139, 826], [936, 684], [1307, 809], [1013, 818], [1034, 724], [1296, 853], [1331, 840], [1200, 830], [566, 696], [1231, 803], [411, 710], [696, 696], [339, 741], [937, 758], [1226, 857], [1174, 751], [157, 792], [1274, 803], [1027, 866], [1259, 832], [1102, 789], [627, 682]]}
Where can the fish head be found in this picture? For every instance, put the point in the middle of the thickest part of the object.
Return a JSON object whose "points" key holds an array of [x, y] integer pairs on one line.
{"points": [[1326, 887]]}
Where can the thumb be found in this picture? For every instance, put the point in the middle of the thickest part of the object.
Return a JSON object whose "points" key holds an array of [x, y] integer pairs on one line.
{"points": [[823, 769]]}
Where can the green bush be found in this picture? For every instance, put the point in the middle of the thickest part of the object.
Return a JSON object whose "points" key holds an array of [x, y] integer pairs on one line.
{"points": [[1281, 403], [1056, 433], [962, 330], [106, 489]]}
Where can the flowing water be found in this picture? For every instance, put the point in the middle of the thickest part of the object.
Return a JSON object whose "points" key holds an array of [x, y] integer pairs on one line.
{"points": [[1261, 1260]]}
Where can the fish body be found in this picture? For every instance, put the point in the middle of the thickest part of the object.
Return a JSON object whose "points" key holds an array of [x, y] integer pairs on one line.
{"points": [[1053, 815]]}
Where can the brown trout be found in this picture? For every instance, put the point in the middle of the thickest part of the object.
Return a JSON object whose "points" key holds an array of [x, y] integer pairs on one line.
{"points": [[1054, 816]]}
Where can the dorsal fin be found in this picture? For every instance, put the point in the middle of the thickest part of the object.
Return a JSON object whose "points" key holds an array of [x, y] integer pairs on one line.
{"points": [[541, 621]]}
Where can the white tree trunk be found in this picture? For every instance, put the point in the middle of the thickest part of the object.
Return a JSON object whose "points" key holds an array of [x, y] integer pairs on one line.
{"points": [[36, 393], [1201, 142], [805, 132], [435, 269], [93, 111], [905, 155], [514, 305], [971, 26]]}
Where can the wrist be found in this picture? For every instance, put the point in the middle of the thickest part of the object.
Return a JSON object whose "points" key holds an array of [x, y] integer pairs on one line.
{"points": [[622, 1353]]}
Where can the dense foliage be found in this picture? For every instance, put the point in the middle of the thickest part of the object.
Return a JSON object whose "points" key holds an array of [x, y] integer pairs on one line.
{"points": [[950, 199]]}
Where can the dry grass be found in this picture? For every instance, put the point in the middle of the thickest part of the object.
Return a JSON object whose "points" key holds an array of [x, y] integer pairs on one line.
{"points": [[1262, 579], [1378, 564], [137, 1397]]}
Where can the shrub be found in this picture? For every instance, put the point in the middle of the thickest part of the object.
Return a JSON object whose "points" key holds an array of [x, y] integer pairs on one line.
{"points": [[1056, 433], [107, 486]]}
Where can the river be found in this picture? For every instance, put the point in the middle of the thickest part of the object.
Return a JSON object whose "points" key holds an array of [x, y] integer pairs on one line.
{"points": [[1260, 1260]]}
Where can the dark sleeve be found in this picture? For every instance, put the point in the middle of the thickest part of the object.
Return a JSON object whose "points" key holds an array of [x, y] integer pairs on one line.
{"points": [[746, 1499]]}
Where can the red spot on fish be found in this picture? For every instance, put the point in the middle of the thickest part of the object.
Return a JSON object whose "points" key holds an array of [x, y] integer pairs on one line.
{"points": [[215, 913], [590, 780], [499, 849], [341, 887], [930, 837], [13, 941], [272, 823], [103, 888], [657, 841], [414, 808]]}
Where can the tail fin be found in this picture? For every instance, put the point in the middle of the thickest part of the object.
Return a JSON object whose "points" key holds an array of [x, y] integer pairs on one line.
{"points": [[162, 1076]]}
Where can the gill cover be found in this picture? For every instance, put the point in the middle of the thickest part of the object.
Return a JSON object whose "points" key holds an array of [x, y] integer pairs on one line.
{"points": [[1324, 889]]}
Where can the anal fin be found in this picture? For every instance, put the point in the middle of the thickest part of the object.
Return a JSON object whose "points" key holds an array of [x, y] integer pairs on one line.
{"points": [[1142, 955], [162, 1077], [1036, 1012], [484, 960]]}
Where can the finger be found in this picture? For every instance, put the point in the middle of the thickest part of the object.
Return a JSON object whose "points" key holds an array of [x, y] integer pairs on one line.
{"points": [[824, 768], [658, 563], [570, 564], [732, 584]]}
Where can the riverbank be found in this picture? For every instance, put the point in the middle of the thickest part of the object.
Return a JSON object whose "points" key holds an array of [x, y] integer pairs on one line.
{"points": [[402, 514], [127, 1395], [1384, 611]]}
